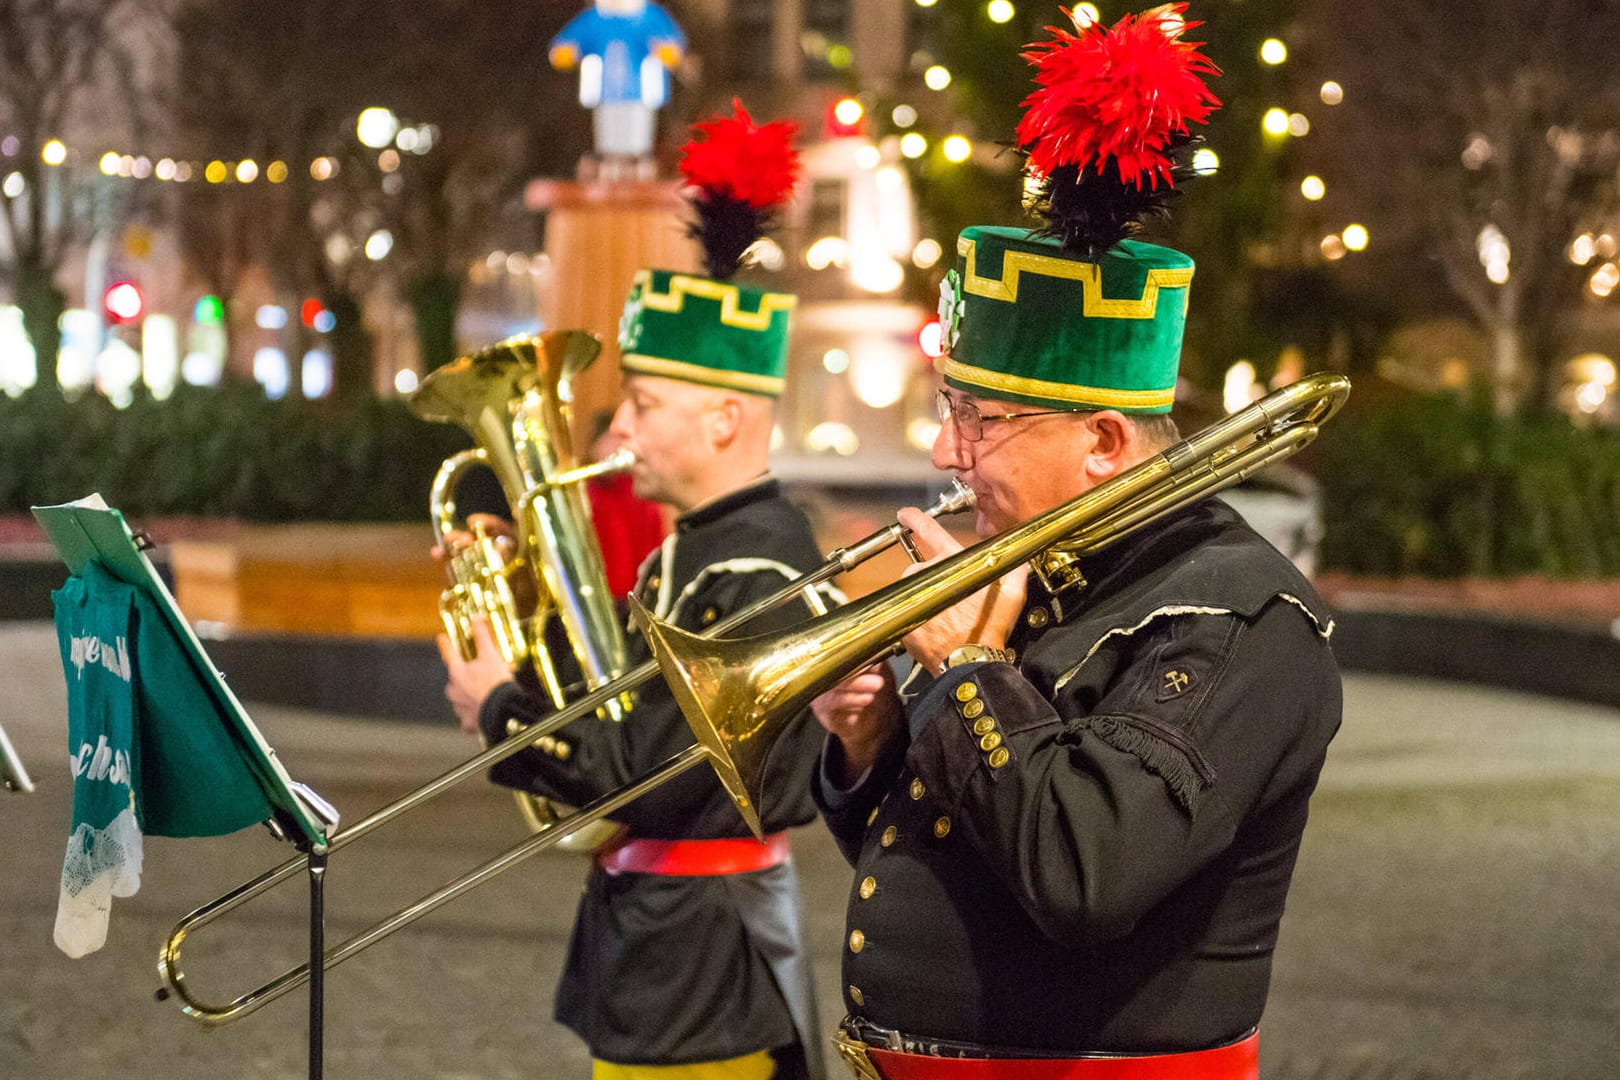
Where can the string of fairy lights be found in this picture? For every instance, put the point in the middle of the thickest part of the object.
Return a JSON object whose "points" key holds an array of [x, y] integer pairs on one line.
{"points": [[376, 128]]}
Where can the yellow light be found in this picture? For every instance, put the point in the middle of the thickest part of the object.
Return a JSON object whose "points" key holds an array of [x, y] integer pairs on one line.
{"points": [[840, 56], [848, 112], [1206, 162], [1275, 122], [247, 171], [926, 3], [937, 77], [828, 251], [1000, 11], [913, 145], [1312, 188], [165, 169], [1355, 237], [277, 172], [922, 432], [926, 253], [1332, 93], [216, 172], [53, 152], [1332, 247], [109, 164], [836, 361], [832, 436], [1273, 51], [1085, 15], [956, 149]]}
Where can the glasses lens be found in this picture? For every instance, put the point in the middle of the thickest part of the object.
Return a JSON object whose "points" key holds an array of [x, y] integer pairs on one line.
{"points": [[963, 413]]}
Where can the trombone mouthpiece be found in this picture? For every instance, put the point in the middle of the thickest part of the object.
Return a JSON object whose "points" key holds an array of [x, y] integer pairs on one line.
{"points": [[957, 498]]}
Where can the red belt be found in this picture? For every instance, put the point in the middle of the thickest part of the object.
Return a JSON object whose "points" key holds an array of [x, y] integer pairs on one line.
{"points": [[1238, 1061], [695, 858]]}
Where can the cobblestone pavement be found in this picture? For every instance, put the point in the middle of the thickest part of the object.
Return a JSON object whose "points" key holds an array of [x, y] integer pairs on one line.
{"points": [[1454, 912]]}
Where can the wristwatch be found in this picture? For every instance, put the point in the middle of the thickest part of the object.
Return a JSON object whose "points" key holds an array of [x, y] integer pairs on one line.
{"points": [[975, 654]]}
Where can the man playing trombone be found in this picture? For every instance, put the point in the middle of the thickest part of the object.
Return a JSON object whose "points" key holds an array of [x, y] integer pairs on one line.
{"points": [[1073, 828]]}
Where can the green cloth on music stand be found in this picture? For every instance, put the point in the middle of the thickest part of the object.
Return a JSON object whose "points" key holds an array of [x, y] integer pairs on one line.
{"points": [[157, 743]]}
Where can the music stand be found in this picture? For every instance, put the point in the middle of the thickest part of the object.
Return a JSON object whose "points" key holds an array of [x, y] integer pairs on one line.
{"points": [[89, 531]]}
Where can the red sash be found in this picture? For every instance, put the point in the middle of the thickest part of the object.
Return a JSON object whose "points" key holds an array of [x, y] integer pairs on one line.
{"points": [[695, 858], [1237, 1061]]}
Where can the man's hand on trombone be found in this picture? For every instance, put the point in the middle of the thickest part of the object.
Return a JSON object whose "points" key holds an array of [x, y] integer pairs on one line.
{"points": [[863, 712], [985, 618]]}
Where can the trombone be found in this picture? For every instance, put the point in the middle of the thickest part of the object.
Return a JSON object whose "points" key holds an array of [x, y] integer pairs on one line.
{"points": [[739, 693], [955, 500]]}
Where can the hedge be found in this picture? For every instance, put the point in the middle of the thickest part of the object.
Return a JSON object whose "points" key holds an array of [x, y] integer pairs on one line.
{"points": [[222, 452], [1432, 487]]}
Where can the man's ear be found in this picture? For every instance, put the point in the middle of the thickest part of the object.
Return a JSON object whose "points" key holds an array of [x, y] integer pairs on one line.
{"points": [[724, 419], [1115, 445]]}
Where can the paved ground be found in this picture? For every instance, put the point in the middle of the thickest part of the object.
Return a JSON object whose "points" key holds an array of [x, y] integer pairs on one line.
{"points": [[1454, 914]]}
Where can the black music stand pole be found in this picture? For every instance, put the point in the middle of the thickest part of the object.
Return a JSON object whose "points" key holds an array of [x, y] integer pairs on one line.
{"points": [[317, 961]]}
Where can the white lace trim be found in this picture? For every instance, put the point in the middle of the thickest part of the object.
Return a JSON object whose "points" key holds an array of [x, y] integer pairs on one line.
{"points": [[1126, 631], [1326, 632], [100, 864], [741, 566]]}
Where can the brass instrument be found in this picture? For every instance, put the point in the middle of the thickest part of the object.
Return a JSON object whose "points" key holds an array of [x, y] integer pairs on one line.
{"points": [[514, 399], [738, 694], [804, 588]]}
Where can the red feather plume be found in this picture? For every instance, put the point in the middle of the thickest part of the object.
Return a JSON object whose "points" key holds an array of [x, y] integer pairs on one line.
{"points": [[1118, 93], [738, 159]]}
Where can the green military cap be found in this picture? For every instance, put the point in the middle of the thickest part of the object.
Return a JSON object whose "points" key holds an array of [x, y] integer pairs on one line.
{"points": [[716, 333], [1026, 320]]}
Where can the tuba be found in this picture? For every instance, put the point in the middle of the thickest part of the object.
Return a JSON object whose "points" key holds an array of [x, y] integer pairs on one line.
{"points": [[515, 399]]}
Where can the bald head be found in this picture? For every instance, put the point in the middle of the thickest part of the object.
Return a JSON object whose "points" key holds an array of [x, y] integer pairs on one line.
{"points": [[692, 443]]}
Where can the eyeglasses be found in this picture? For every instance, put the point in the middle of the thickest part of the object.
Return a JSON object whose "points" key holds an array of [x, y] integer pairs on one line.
{"points": [[970, 422]]}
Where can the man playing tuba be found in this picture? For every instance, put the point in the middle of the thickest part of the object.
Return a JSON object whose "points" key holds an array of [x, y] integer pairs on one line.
{"points": [[687, 952], [1073, 838]]}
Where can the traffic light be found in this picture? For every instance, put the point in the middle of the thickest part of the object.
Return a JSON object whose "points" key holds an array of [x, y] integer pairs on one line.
{"points": [[846, 116], [123, 302]]}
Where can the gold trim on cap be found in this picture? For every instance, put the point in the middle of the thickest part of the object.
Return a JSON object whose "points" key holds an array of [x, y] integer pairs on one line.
{"points": [[679, 369], [729, 297], [1094, 304], [1098, 396]]}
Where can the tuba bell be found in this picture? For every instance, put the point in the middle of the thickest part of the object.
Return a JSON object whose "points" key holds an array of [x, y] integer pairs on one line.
{"points": [[515, 400]]}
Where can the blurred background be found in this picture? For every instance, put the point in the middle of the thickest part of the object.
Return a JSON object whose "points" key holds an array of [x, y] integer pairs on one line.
{"points": [[235, 237]]}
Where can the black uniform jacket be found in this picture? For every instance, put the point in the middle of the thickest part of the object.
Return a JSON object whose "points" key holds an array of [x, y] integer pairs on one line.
{"points": [[1088, 850], [662, 969]]}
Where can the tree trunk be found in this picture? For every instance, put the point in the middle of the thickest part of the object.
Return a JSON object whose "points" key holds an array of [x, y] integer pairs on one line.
{"points": [[1507, 368], [42, 304], [351, 351], [435, 298]]}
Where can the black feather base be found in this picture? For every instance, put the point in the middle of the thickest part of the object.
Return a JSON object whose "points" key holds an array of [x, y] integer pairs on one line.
{"points": [[1089, 211], [726, 228]]}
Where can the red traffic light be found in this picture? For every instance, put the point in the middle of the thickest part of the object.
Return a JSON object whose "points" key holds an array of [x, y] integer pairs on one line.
{"points": [[123, 302], [846, 116]]}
